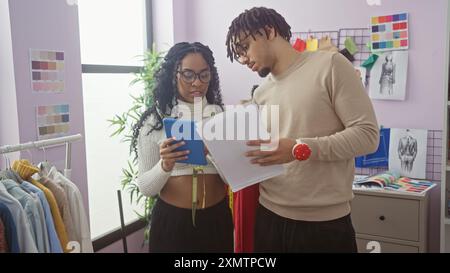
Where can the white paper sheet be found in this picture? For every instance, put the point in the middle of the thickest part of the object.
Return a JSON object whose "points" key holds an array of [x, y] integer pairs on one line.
{"points": [[229, 154]]}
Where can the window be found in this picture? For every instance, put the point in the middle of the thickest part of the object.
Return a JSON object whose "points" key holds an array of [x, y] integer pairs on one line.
{"points": [[114, 35]]}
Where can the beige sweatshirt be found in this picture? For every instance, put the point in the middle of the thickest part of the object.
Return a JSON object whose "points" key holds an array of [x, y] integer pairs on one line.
{"points": [[321, 102]]}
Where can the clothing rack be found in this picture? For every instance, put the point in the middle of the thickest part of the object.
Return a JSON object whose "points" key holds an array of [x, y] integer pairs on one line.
{"points": [[67, 140]]}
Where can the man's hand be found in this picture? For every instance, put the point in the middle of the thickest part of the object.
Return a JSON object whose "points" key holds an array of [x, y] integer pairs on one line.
{"points": [[283, 154]]}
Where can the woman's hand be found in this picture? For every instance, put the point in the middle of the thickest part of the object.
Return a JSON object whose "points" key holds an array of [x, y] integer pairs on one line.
{"points": [[168, 156]]}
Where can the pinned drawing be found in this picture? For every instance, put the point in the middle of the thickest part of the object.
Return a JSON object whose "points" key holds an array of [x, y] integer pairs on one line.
{"points": [[387, 78], [407, 152], [389, 75]]}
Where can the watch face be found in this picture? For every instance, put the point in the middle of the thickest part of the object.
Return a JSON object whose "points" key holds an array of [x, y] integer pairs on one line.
{"points": [[302, 151]]}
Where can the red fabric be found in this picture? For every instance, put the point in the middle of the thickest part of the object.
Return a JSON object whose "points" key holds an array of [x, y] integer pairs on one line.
{"points": [[3, 243], [299, 45], [245, 202]]}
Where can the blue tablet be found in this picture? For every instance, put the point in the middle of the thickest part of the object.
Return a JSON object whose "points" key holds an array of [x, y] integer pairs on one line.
{"points": [[185, 130]]}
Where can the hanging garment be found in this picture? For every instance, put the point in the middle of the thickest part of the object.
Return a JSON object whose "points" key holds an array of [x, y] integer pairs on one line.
{"points": [[299, 45], [31, 208], [312, 44], [76, 206], [63, 205], [55, 244], [10, 229], [10, 174], [26, 170], [326, 44], [351, 46], [245, 202], [370, 61], [347, 55], [3, 243], [25, 239]]}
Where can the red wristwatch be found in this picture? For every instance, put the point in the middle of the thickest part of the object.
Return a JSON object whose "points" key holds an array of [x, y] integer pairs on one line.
{"points": [[301, 151]]}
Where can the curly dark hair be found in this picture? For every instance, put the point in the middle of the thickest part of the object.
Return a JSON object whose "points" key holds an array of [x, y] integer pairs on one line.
{"points": [[251, 21], [166, 86]]}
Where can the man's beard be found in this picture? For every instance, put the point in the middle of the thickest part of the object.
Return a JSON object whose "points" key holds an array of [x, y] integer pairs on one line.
{"points": [[264, 72]]}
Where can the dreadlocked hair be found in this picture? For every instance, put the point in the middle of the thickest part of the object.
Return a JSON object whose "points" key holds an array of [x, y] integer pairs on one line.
{"points": [[251, 21], [166, 91]]}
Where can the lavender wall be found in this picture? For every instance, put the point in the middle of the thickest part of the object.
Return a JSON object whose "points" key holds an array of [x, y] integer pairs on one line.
{"points": [[162, 21], [208, 22], [53, 25], [180, 17], [169, 22]]}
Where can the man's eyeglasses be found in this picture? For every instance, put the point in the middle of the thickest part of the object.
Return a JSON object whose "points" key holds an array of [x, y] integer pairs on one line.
{"points": [[240, 53], [189, 76]]}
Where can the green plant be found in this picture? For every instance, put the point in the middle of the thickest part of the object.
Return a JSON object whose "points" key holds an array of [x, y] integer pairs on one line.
{"points": [[123, 127]]}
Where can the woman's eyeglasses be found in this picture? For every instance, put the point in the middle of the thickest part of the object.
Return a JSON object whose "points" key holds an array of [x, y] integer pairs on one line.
{"points": [[189, 76]]}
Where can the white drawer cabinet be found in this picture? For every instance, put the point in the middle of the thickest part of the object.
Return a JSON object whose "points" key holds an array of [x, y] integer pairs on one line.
{"points": [[396, 221]]}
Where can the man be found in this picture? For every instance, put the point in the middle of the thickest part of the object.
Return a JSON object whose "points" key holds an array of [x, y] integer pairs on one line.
{"points": [[326, 120]]}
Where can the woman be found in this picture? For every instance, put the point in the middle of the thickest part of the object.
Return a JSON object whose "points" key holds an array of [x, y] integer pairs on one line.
{"points": [[188, 72]]}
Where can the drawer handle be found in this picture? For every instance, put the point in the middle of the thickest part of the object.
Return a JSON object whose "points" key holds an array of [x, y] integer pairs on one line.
{"points": [[382, 218]]}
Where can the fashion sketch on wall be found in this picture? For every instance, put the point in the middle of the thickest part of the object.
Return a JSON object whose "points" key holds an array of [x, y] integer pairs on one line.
{"points": [[408, 152], [388, 76]]}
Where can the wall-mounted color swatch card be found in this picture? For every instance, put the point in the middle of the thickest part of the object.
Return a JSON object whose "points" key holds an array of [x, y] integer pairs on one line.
{"points": [[389, 32], [52, 121], [47, 71]]}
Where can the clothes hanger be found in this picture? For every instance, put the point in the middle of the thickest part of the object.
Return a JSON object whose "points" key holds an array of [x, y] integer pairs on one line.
{"points": [[9, 173], [45, 154], [4, 157], [44, 166], [2, 172], [7, 162], [31, 156]]}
